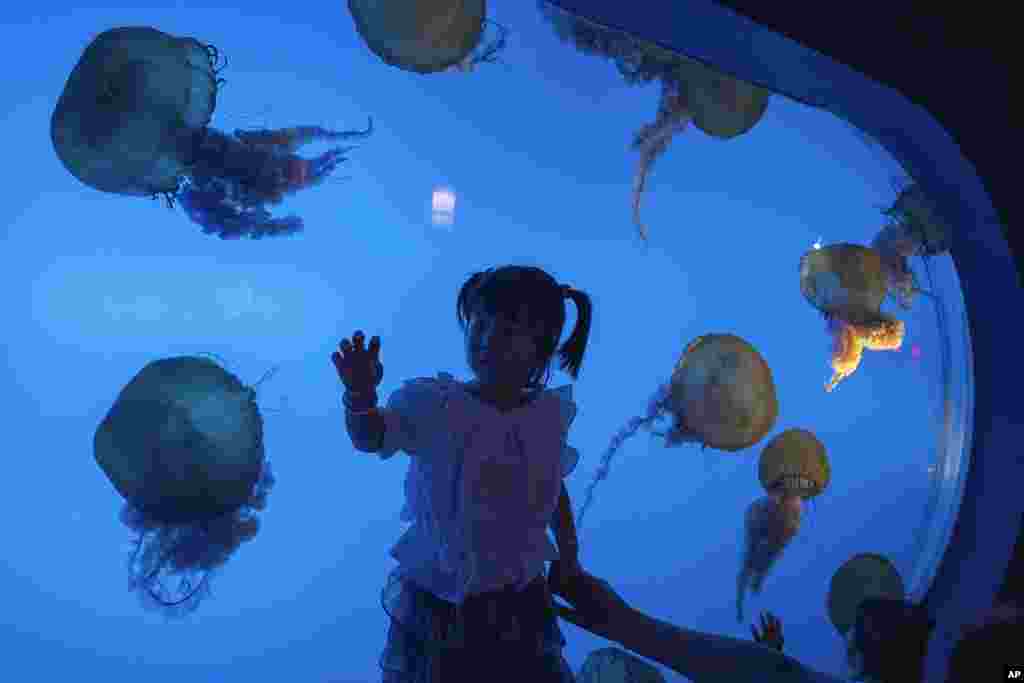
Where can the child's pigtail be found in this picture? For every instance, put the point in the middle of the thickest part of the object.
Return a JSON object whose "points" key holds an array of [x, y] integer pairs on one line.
{"points": [[572, 350]]}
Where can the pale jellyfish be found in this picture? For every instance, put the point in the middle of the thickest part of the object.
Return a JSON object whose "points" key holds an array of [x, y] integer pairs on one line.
{"points": [[614, 665], [183, 445], [863, 576], [427, 36], [793, 468], [721, 395], [847, 283], [442, 207]]}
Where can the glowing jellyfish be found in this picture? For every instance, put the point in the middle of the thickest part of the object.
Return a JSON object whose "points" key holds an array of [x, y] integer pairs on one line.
{"points": [[883, 333], [183, 445], [793, 468], [442, 207], [133, 120], [721, 395], [427, 36], [863, 576], [613, 665], [847, 283]]}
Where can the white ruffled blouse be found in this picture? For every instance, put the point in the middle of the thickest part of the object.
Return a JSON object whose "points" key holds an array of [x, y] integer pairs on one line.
{"points": [[482, 484]]}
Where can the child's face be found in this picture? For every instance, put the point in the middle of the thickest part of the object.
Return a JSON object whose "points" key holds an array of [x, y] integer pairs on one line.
{"points": [[501, 351]]}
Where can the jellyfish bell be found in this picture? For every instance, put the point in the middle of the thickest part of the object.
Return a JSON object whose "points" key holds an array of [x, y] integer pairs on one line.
{"points": [[844, 280], [95, 127], [723, 107], [863, 576], [425, 36], [794, 465], [721, 395], [183, 445], [917, 215]]}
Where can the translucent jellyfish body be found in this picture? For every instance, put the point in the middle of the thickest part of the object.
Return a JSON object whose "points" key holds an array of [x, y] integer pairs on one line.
{"points": [[863, 576], [848, 283], [426, 36], [133, 119], [721, 395], [183, 445], [793, 468], [613, 665]]}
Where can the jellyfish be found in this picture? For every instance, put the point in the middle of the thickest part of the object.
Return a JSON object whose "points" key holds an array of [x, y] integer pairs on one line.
{"points": [[133, 120], [847, 284], [895, 247], [719, 105], [614, 665], [793, 468], [183, 446], [721, 395], [428, 36], [863, 576]]}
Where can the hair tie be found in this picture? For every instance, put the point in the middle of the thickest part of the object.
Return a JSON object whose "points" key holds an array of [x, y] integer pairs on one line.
{"points": [[566, 290]]}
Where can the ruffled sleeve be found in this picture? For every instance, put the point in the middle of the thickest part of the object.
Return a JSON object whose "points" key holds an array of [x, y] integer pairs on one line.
{"points": [[567, 413], [411, 417]]}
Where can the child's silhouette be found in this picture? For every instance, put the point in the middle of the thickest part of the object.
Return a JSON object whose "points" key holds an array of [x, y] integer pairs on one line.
{"points": [[469, 600]]}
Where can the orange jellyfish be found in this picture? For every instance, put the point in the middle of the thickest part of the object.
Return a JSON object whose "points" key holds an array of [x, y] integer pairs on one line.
{"points": [[183, 445], [793, 468], [863, 576], [718, 105], [721, 395], [847, 283], [427, 36]]}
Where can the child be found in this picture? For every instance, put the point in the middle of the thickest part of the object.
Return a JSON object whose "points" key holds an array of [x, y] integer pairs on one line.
{"points": [[469, 600]]}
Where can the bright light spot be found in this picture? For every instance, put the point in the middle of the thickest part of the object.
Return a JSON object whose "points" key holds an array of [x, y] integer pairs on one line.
{"points": [[817, 243], [442, 206]]}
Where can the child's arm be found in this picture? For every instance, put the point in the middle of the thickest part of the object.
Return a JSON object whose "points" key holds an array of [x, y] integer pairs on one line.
{"points": [[366, 430], [564, 527]]}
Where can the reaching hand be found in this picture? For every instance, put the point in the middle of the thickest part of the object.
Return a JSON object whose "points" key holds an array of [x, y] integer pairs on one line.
{"points": [[359, 368], [771, 631]]}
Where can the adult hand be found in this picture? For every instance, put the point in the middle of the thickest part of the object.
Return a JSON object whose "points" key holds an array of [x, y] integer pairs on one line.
{"points": [[771, 631]]}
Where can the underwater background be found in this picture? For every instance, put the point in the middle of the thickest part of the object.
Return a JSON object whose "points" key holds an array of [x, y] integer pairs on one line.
{"points": [[536, 150]]}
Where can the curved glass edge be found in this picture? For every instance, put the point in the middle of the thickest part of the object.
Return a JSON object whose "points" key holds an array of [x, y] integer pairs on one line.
{"points": [[982, 537]]}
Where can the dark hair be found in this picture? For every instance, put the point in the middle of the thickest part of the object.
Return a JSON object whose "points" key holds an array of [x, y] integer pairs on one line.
{"points": [[892, 635], [506, 290], [986, 648]]}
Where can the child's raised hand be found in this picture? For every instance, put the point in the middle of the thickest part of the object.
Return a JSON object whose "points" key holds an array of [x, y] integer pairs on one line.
{"points": [[358, 367]]}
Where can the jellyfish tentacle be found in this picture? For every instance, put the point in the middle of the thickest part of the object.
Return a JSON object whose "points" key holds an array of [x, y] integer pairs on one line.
{"points": [[290, 140], [653, 139]]}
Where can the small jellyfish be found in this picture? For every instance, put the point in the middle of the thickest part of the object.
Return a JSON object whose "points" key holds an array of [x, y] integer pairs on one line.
{"points": [[133, 119], [721, 395], [895, 247], [847, 283], [793, 468], [428, 36], [183, 445], [863, 576], [614, 665]]}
